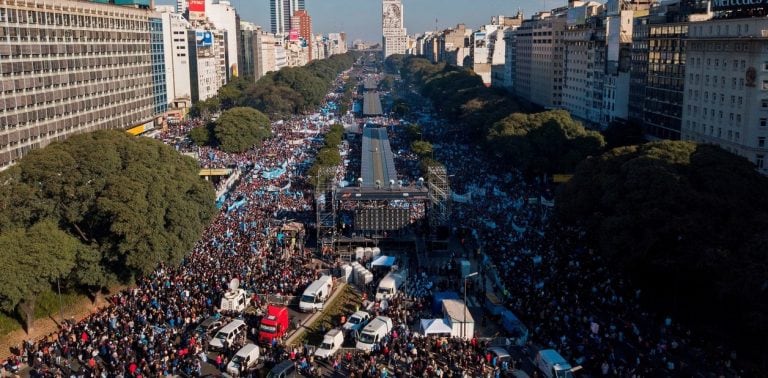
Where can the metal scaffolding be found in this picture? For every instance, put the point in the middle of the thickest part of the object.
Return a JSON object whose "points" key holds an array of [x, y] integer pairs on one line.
{"points": [[439, 196], [325, 206]]}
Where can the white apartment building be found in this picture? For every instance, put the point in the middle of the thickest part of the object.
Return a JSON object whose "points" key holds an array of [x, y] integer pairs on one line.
{"points": [[175, 38], [582, 86], [539, 67], [207, 50], [222, 15], [725, 101], [68, 67]]}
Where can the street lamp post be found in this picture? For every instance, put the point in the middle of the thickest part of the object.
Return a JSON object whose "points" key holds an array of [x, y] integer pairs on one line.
{"points": [[464, 323]]}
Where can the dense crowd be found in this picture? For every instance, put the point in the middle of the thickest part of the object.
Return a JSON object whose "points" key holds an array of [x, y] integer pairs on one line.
{"points": [[147, 329], [563, 291]]}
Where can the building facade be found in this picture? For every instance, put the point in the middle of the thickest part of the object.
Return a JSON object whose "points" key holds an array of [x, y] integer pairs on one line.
{"points": [[69, 67], [208, 68], [394, 36], [221, 15], [726, 86], [175, 40], [280, 13], [159, 82], [301, 23]]}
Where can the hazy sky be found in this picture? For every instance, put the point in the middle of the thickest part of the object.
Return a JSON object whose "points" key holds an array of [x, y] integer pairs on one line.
{"points": [[361, 19]]}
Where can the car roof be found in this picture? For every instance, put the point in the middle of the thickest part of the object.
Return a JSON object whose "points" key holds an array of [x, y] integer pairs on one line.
{"points": [[499, 351]]}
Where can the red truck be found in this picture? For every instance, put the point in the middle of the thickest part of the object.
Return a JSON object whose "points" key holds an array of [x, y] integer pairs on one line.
{"points": [[274, 324]]}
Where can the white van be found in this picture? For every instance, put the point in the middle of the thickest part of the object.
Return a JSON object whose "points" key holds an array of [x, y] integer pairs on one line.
{"points": [[246, 359], [231, 333], [374, 332], [389, 285], [235, 300], [552, 364], [332, 342], [316, 294]]}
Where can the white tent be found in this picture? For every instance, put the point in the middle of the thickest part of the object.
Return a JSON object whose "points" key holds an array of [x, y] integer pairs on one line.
{"points": [[434, 327]]}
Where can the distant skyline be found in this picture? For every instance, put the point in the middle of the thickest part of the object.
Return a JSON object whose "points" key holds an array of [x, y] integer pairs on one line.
{"points": [[361, 19]]}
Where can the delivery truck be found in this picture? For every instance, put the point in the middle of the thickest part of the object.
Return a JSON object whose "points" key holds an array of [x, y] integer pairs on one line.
{"points": [[274, 324], [316, 294]]}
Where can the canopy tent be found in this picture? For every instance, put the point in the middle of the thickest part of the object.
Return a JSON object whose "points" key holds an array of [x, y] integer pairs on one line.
{"points": [[435, 327], [383, 261]]}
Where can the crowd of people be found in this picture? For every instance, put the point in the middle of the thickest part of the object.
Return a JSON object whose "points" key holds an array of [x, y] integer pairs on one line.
{"points": [[563, 292], [568, 298], [146, 331]]}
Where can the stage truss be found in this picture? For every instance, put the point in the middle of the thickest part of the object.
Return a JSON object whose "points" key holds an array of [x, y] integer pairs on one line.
{"points": [[439, 196]]}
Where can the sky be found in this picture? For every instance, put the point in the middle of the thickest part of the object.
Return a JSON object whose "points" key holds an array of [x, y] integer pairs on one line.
{"points": [[361, 19]]}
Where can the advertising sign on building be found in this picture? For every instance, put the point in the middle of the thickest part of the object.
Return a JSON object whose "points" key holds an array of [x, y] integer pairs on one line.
{"points": [[723, 5], [204, 38], [197, 6], [293, 35]]}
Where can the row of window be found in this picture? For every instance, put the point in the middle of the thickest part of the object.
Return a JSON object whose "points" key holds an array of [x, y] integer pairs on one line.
{"points": [[21, 16]]}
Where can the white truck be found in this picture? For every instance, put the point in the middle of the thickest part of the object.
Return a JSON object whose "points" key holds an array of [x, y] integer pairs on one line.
{"points": [[235, 299], [316, 294], [246, 359], [331, 344], [374, 332], [552, 364], [390, 285]]}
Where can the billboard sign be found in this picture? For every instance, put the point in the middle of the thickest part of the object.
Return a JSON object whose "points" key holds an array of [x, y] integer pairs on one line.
{"points": [[204, 38], [724, 5], [197, 6]]}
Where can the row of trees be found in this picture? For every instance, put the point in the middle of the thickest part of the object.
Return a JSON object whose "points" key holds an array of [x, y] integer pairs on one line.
{"points": [[236, 130], [328, 156], [282, 93], [548, 142], [94, 210], [689, 223]]}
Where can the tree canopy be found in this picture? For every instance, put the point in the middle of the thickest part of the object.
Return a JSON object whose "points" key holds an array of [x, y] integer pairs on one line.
{"points": [[280, 94], [547, 142], [97, 208], [687, 221], [241, 128]]}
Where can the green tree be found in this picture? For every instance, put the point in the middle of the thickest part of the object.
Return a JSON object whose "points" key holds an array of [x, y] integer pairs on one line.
{"points": [[133, 202], [547, 142], [239, 129], [33, 259], [201, 136], [688, 222], [421, 148]]}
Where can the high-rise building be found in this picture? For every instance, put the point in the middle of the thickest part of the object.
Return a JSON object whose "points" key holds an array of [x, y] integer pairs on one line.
{"points": [[68, 67], [302, 24], [208, 62], [539, 67], [725, 101], [177, 59], [221, 15], [394, 36], [159, 83], [280, 12]]}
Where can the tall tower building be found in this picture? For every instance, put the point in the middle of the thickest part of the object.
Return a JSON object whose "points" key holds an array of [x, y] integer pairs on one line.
{"points": [[394, 36], [280, 12]]}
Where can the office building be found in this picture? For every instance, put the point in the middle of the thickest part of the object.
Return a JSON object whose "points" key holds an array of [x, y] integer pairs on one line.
{"points": [[208, 68], [584, 41], [394, 36], [68, 67], [223, 16], [725, 101], [539, 70], [159, 86], [177, 60], [301, 23], [280, 12]]}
